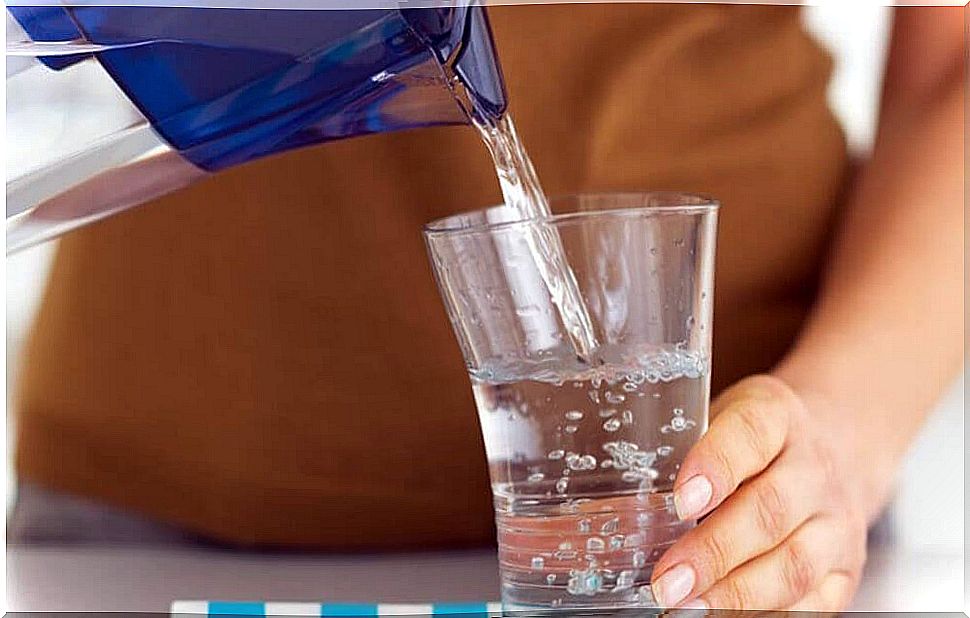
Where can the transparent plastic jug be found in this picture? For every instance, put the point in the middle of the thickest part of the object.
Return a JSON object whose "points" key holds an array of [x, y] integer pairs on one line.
{"points": [[111, 106]]}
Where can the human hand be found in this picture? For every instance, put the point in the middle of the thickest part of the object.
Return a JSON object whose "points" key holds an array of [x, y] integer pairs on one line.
{"points": [[789, 529]]}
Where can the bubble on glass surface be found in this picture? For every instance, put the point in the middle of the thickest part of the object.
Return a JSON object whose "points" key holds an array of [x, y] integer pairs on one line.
{"points": [[561, 485], [614, 398], [612, 425], [607, 413], [595, 545], [639, 559], [585, 526], [538, 562], [627, 417], [587, 582], [536, 477], [625, 580], [574, 415], [556, 454], [664, 450], [551, 578], [610, 526], [628, 456]]}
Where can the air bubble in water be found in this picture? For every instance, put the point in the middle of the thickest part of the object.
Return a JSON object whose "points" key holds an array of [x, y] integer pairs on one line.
{"points": [[678, 411], [627, 417], [574, 415], [536, 477], [664, 450], [639, 559], [629, 387], [606, 463], [551, 578], [610, 526], [561, 485], [556, 454], [625, 580], [614, 398], [595, 545], [612, 425], [587, 583], [678, 423], [538, 562], [571, 429], [656, 395], [607, 413]]}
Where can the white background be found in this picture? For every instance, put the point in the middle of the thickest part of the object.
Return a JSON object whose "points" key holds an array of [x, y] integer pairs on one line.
{"points": [[928, 512]]}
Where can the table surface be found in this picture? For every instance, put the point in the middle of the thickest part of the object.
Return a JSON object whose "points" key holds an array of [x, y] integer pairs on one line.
{"points": [[148, 580]]}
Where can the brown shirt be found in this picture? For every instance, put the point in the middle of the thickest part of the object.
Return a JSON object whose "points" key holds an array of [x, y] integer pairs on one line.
{"points": [[263, 358]]}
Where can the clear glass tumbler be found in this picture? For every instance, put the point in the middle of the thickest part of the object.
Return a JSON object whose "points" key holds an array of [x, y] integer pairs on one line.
{"points": [[583, 450]]}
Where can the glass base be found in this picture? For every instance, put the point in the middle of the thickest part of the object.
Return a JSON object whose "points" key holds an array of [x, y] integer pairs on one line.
{"points": [[599, 554]]}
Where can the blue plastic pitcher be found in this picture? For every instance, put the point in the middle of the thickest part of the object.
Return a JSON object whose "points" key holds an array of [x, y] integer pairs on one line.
{"points": [[115, 105]]}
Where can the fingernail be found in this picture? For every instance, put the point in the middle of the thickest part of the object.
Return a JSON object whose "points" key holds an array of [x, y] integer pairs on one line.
{"points": [[692, 497], [673, 586], [695, 604], [694, 609]]}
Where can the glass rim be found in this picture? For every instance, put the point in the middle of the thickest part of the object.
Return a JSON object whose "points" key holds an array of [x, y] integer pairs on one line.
{"points": [[706, 204]]}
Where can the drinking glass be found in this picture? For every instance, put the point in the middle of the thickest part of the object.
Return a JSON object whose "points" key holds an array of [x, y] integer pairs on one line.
{"points": [[583, 450]]}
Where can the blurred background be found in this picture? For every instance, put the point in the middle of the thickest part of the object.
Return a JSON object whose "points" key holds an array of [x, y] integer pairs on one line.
{"points": [[928, 513]]}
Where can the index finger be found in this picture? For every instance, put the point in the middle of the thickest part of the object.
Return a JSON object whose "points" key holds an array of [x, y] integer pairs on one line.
{"points": [[748, 432]]}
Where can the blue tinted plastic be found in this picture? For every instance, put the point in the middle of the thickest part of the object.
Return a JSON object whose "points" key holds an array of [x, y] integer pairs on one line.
{"points": [[224, 86], [49, 23]]}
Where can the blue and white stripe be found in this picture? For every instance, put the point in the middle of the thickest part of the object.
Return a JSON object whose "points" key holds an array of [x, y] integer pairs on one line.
{"points": [[193, 609]]}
